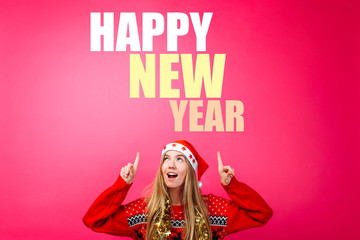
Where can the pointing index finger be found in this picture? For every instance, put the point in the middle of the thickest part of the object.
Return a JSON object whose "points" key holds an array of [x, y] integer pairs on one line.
{"points": [[219, 161], [137, 160]]}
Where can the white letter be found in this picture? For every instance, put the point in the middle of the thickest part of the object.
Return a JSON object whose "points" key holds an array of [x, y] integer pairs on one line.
{"points": [[96, 30], [149, 30], [128, 19], [173, 32], [201, 30]]}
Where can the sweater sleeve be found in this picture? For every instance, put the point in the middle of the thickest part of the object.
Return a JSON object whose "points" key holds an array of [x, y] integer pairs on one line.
{"points": [[247, 208], [107, 214]]}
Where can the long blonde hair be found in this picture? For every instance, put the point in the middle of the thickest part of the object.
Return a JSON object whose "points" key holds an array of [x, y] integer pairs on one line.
{"points": [[191, 199]]}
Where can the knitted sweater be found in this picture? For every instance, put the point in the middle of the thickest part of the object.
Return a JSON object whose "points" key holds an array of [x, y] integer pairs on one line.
{"points": [[246, 209]]}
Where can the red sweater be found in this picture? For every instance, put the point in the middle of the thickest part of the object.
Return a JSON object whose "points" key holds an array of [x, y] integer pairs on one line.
{"points": [[245, 210]]}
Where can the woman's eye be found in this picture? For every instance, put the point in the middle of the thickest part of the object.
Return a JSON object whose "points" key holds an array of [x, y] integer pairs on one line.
{"points": [[180, 159], [165, 159]]}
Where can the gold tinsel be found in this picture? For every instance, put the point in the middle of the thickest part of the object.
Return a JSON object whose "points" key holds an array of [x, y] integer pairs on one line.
{"points": [[201, 229], [163, 225]]}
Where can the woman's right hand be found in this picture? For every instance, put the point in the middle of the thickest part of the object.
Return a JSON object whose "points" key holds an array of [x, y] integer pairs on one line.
{"points": [[129, 171]]}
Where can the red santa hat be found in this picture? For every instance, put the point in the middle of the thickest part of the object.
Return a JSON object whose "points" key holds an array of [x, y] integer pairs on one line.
{"points": [[194, 158]]}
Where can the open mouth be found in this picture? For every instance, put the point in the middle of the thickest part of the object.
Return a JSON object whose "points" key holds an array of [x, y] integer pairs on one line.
{"points": [[172, 175]]}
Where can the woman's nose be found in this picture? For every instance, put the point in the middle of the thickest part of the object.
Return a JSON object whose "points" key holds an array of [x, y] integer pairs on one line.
{"points": [[171, 164]]}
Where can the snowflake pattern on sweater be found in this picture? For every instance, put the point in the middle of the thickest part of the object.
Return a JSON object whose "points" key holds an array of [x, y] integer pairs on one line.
{"points": [[246, 209], [137, 217]]}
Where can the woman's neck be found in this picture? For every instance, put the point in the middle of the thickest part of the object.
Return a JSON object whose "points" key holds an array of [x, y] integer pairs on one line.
{"points": [[176, 195]]}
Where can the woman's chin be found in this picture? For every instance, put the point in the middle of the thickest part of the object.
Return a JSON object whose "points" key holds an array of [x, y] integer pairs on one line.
{"points": [[173, 185]]}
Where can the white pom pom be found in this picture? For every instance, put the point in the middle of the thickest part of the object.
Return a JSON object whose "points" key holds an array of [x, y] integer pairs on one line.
{"points": [[200, 184]]}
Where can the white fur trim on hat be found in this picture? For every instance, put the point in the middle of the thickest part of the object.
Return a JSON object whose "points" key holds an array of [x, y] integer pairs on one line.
{"points": [[184, 150]]}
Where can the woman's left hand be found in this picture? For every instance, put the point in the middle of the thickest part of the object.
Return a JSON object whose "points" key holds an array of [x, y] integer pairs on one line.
{"points": [[226, 172]]}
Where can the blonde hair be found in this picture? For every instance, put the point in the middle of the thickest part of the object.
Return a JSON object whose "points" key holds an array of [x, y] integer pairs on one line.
{"points": [[191, 199]]}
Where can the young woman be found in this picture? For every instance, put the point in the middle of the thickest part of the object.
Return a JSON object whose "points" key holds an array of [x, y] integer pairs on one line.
{"points": [[176, 209]]}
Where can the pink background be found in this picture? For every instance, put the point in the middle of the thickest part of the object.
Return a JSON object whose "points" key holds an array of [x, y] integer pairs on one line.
{"points": [[68, 125]]}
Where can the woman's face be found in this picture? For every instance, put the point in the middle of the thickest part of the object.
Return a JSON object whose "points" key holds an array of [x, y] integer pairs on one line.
{"points": [[174, 169]]}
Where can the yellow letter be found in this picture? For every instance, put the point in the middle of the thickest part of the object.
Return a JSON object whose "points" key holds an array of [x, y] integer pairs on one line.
{"points": [[194, 115], [146, 77], [214, 106], [178, 113], [213, 86], [166, 75], [234, 110]]}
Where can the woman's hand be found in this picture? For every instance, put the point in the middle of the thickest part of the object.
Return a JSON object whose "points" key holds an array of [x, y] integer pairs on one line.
{"points": [[226, 172], [129, 171]]}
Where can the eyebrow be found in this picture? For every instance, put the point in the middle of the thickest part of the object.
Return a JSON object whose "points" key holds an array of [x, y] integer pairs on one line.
{"points": [[179, 155]]}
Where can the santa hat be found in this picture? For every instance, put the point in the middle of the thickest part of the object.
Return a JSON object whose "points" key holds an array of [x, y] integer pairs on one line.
{"points": [[194, 158]]}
